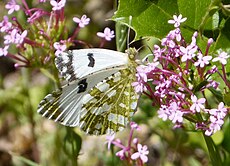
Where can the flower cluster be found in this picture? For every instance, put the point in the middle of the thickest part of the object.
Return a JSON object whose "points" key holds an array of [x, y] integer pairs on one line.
{"points": [[181, 75], [43, 35], [134, 151]]}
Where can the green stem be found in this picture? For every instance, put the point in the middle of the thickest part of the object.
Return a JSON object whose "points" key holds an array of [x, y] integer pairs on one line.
{"points": [[213, 151]]}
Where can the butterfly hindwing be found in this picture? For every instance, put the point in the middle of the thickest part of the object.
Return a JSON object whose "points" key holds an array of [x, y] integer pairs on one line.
{"points": [[65, 104], [112, 103]]}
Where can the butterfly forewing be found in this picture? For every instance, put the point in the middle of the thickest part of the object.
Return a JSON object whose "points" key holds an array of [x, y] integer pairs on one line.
{"points": [[89, 61]]}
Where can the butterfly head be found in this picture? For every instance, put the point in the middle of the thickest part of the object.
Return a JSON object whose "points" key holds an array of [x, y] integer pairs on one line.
{"points": [[132, 53]]}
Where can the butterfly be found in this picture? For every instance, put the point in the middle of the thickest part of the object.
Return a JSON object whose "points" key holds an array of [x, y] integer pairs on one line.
{"points": [[98, 97]]}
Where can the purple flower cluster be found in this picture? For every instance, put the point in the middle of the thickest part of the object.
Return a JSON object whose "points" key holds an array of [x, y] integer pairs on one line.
{"points": [[134, 151], [43, 35], [181, 74]]}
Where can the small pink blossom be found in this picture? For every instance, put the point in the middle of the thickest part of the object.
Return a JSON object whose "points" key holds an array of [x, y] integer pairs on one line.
{"points": [[83, 21], [121, 154], [141, 153], [202, 60], [177, 20], [60, 47], [5, 25], [12, 6], [163, 112], [15, 37], [4, 51], [176, 116], [109, 140], [220, 113], [42, 1], [188, 52], [107, 34], [134, 125], [222, 58], [19, 38], [57, 5], [139, 86], [198, 104], [216, 118]]}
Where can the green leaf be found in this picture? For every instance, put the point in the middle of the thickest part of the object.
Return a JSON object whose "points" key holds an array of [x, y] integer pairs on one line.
{"points": [[150, 19], [144, 20], [213, 151], [217, 94], [223, 40], [226, 142], [72, 143], [226, 98]]}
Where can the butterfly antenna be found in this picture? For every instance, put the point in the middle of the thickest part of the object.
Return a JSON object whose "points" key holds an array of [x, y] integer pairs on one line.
{"points": [[130, 21]]}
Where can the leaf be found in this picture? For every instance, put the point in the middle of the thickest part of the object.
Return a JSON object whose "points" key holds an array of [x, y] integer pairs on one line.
{"points": [[223, 40], [72, 143], [226, 142], [144, 20], [150, 19], [226, 98], [217, 94]]}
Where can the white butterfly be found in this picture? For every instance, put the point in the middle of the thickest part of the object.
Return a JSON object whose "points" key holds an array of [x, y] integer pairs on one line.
{"points": [[99, 97]]}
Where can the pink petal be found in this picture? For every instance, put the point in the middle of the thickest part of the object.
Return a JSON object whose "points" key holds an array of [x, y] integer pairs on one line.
{"points": [[135, 156]]}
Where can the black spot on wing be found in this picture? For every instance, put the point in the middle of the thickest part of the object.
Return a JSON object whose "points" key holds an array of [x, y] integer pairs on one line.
{"points": [[91, 60], [82, 86]]}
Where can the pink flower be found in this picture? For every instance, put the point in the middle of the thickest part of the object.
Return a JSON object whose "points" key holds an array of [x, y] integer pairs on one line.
{"points": [[163, 112], [142, 153], [5, 25], [202, 60], [60, 47], [109, 140], [57, 5], [188, 52], [198, 104], [175, 114], [19, 38], [220, 113], [134, 126], [139, 86], [15, 37], [222, 58], [12, 6], [177, 20], [107, 34], [121, 154], [83, 21], [216, 119], [4, 51]]}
